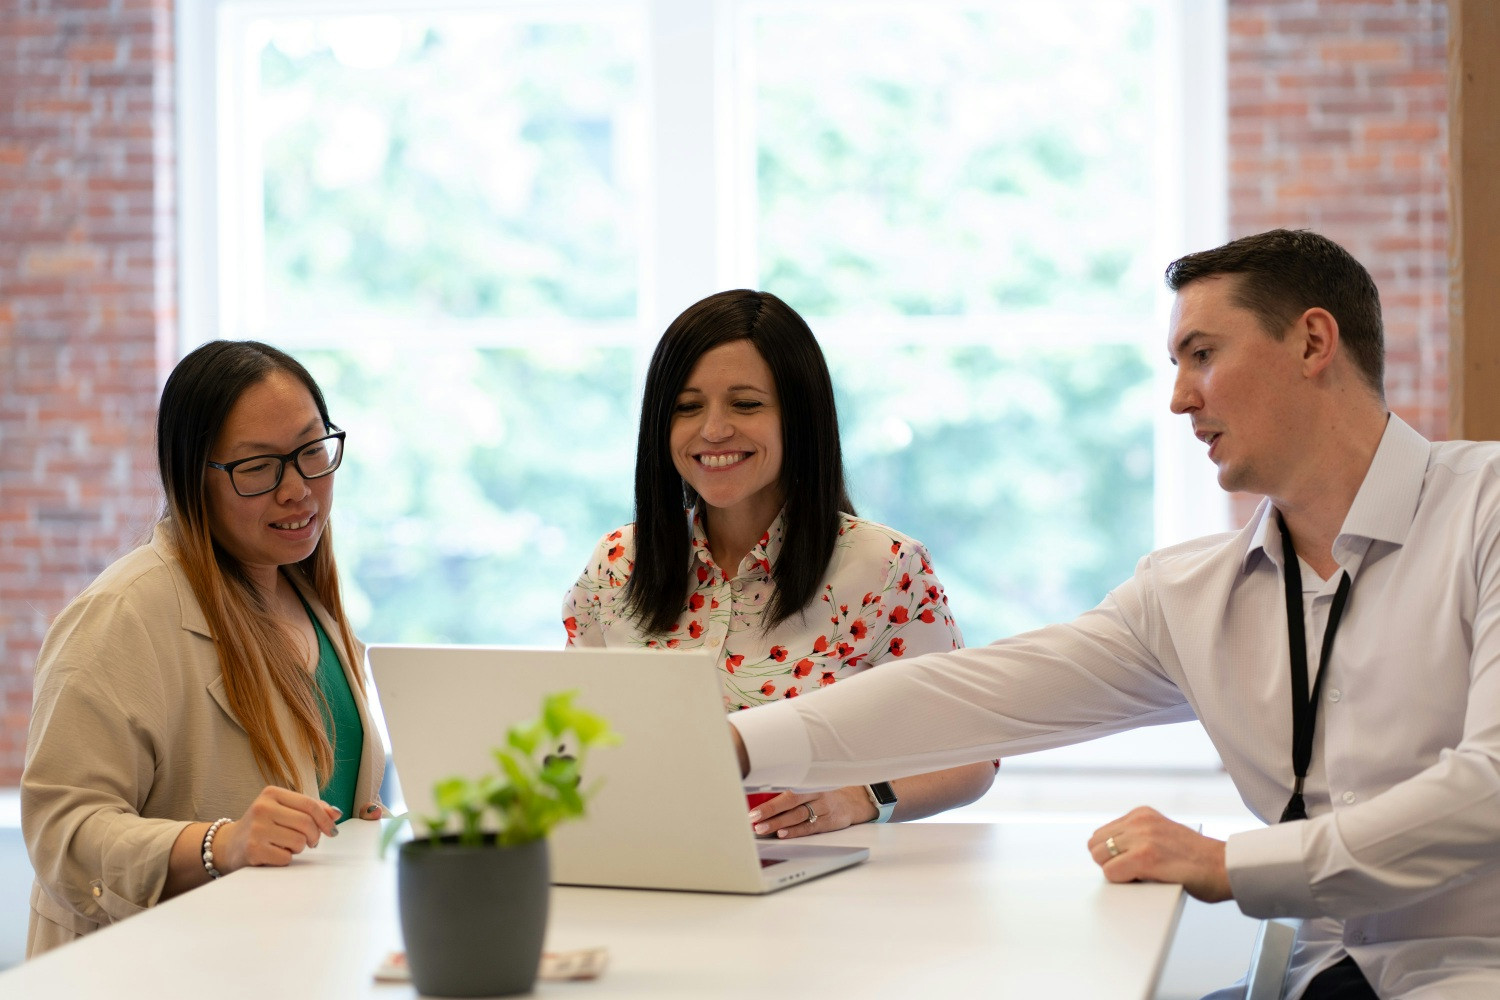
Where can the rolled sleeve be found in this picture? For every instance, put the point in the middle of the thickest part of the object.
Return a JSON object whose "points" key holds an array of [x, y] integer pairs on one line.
{"points": [[776, 740], [1267, 873]]}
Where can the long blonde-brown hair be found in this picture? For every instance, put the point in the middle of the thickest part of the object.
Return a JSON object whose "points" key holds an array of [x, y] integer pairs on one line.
{"points": [[259, 659]]}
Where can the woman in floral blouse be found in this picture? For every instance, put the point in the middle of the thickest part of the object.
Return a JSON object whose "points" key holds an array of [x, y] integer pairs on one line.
{"points": [[738, 424]]}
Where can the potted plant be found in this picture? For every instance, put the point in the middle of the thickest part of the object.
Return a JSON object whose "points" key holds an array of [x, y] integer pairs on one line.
{"points": [[473, 892]]}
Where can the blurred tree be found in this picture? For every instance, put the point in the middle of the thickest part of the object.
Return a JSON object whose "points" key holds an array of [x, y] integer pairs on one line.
{"points": [[477, 172]]}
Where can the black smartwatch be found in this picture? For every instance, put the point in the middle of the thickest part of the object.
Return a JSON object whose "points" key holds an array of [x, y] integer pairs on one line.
{"points": [[884, 797]]}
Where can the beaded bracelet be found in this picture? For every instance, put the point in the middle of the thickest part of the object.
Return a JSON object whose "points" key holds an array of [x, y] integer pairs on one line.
{"points": [[208, 847]]}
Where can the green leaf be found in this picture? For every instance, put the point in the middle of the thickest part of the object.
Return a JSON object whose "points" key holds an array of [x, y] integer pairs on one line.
{"points": [[534, 789], [393, 828]]}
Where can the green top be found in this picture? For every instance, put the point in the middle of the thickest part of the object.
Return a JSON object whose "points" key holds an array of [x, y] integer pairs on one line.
{"points": [[341, 721]]}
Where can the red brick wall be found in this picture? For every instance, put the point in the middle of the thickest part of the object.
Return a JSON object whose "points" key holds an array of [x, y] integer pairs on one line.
{"points": [[86, 293], [1338, 123]]}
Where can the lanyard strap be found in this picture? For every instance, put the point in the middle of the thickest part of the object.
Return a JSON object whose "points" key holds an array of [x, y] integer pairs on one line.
{"points": [[1304, 703]]}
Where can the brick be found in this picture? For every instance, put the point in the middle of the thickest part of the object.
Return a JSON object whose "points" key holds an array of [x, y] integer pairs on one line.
{"points": [[1365, 51], [1402, 132], [61, 261], [93, 52]]}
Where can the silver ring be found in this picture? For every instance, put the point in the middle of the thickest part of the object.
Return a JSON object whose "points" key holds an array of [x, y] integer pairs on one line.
{"points": [[1109, 845], [812, 817]]}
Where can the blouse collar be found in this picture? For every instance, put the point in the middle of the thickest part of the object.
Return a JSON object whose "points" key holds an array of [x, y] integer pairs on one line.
{"points": [[758, 561]]}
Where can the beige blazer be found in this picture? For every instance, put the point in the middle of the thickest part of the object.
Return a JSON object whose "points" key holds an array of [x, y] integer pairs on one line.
{"points": [[132, 739]]}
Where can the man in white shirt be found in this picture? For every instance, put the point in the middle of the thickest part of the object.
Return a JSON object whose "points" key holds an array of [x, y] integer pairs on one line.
{"points": [[1394, 601]]}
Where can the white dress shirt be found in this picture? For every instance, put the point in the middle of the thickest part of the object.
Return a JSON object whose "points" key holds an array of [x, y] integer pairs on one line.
{"points": [[1399, 864]]}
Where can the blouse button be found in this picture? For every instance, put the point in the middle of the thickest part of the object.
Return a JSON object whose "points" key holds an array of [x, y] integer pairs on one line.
{"points": [[1349, 798], [1334, 694], [98, 892]]}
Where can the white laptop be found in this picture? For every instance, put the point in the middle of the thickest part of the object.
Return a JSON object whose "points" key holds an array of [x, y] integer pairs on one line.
{"points": [[670, 812]]}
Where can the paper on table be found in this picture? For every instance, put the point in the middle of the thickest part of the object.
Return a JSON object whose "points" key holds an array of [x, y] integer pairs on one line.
{"points": [[580, 963]]}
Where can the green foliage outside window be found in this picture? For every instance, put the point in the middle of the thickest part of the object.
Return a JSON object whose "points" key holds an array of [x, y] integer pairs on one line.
{"points": [[490, 172]]}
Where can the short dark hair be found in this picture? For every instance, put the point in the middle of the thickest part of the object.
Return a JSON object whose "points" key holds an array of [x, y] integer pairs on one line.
{"points": [[812, 464], [1283, 273]]}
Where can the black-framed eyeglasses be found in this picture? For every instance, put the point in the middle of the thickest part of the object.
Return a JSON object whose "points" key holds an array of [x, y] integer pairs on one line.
{"points": [[262, 473]]}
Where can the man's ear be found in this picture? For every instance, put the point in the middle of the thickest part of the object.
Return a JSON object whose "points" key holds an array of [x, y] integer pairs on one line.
{"points": [[1318, 333]]}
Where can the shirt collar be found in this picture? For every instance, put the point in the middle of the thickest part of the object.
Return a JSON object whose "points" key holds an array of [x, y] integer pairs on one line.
{"points": [[1383, 508], [761, 557], [191, 612]]}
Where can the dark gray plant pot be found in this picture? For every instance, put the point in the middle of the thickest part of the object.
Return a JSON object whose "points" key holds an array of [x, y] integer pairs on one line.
{"points": [[473, 917]]}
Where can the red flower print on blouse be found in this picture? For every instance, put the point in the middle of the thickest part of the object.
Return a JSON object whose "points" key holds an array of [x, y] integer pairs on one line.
{"points": [[614, 536], [897, 646], [895, 548], [702, 574], [933, 593], [905, 581], [695, 630], [673, 643], [899, 615], [803, 668], [571, 624], [844, 650], [778, 653], [853, 661], [826, 679], [858, 629], [869, 599], [615, 552], [820, 644], [791, 692], [730, 662], [765, 566], [926, 615], [768, 689], [695, 603]]}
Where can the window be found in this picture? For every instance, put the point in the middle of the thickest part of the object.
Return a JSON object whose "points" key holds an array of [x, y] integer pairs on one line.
{"points": [[473, 221]]}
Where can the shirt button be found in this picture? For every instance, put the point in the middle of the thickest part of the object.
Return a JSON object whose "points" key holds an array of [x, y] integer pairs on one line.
{"points": [[1348, 797], [98, 892], [1334, 694]]}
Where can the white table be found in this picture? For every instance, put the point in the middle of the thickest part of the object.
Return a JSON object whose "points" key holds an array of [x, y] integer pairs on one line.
{"points": [[939, 910]]}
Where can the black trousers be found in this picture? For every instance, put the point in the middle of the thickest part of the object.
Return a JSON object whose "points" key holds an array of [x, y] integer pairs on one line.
{"points": [[1343, 981]]}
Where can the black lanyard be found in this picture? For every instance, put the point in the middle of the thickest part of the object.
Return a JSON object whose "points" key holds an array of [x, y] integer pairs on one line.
{"points": [[1304, 705]]}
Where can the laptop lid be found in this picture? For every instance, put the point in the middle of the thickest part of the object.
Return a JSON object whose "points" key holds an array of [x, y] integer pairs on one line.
{"points": [[670, 812]]}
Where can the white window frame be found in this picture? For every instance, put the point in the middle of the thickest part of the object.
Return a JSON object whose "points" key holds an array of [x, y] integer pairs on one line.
{"points": [[695, 199]]}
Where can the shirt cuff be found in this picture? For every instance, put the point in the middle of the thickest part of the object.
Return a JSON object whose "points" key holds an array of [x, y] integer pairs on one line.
{"points": [[776, 741], [1266, 872]]}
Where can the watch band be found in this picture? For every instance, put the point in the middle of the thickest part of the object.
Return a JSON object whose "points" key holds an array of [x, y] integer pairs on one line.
{"points": [[883, 796]]}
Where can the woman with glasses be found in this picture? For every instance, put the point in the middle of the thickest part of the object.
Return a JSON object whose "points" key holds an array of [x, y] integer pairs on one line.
{"points": [[769, 564], [201, 707]]}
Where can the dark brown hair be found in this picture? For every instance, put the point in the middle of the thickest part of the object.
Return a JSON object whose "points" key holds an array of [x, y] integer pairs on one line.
{"points": [[1283, 273], [812, 466]]}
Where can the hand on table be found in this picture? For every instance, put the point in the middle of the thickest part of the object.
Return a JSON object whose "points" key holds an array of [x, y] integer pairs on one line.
{"points": [[278, 824], [792, 814], [1145, 846]]}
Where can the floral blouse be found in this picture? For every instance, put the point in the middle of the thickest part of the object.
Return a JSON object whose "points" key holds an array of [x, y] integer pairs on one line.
{"points": [[879, 600]]}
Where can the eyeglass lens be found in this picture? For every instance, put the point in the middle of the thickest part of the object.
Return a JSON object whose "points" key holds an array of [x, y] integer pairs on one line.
{"points": [[318, 459]]}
